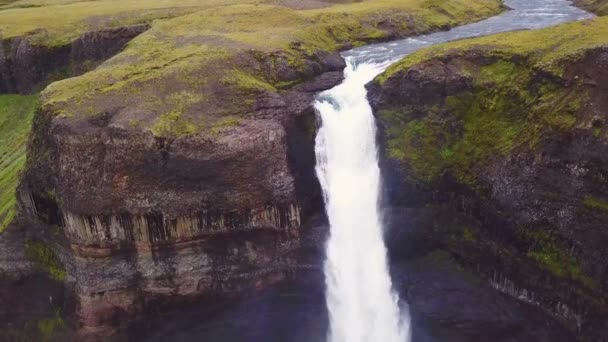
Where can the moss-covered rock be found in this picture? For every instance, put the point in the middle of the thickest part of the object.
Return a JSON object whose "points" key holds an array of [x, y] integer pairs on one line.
{"points": [[46, 259], [509, 130]]}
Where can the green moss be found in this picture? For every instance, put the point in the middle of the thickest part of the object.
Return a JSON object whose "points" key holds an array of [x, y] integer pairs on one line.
{"points": [[490, 121], [49, 327], [224, 123], [246, 82], [173, 125], [595, 203], [45, 258], [469, 235], [546, 249], [16, 113], [208, 52], [547, 49]]}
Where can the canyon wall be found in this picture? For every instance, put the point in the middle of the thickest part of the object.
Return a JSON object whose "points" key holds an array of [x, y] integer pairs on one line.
{"points": [[497, 147]]}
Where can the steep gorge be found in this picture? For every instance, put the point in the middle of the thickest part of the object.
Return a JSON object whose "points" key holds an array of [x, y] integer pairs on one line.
{"points": [[140, 193]]}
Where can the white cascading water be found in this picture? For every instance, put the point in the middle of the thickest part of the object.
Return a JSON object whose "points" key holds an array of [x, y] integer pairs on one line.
{"points": [[362, 305], [360, 299]]}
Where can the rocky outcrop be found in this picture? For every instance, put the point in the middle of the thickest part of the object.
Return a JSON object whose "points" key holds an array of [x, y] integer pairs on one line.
{"points": [[26, 67], [182, 217], [504, 147]]}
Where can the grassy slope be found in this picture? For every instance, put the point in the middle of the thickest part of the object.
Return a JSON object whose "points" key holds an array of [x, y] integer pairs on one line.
{"points": [[16, 113], [191, 56], [53, 22], [76, 17]]}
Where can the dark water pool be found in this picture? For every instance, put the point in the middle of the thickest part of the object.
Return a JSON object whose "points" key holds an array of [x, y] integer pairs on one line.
{"points": [[446, 304]]}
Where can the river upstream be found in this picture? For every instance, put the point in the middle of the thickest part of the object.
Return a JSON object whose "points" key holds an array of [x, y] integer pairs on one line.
{"points": [[360, 298]]}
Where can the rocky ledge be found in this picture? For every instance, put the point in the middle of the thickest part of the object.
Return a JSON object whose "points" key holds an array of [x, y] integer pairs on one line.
{"points": [[495, 149]]}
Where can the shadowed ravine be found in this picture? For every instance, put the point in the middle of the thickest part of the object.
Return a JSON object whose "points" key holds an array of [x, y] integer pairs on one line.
{"points": [[362, 302]]}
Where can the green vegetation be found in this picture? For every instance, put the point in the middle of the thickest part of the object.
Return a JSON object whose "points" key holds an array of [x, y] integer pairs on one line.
{"points": [[209, 51], [554, 256], [463, 132], [16, 113], [224, 123], [56, 22], [42, 327], [595, 203], [173, 125], [547, 49], [244, 81], [46, 259], [48, 327]]}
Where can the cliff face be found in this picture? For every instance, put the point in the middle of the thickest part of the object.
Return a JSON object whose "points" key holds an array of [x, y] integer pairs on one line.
{"points": [[502, 141], [183, 166], [146, 217]]}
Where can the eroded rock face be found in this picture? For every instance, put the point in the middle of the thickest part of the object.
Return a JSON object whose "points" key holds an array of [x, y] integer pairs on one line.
{"points": [[531, 216], [181, 217], [26, 67]]}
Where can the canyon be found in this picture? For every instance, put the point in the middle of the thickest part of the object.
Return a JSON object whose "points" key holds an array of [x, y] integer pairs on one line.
{"points": [[166, 168]]}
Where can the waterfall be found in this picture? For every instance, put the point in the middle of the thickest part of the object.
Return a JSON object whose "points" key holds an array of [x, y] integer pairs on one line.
{"points": [[362, 305]]}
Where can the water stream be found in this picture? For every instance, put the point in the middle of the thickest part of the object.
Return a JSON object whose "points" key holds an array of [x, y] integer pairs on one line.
{"points": [[361, 302]]}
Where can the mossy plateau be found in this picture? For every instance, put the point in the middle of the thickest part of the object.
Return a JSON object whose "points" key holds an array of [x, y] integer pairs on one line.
{"points": [[228, 54], [16, 113], [513, 100], [547, 49]]}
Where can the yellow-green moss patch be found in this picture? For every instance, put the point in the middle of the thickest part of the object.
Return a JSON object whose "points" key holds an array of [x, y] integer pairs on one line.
{"points": [[596, 203], [46, 259], [546, 249]]}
